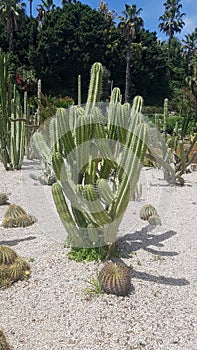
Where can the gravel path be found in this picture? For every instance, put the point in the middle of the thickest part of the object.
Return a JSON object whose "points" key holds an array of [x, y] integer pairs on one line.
{"points": [[51, 310]]}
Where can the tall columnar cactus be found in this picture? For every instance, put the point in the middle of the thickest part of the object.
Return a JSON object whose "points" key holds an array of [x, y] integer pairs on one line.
{"points": [[97, 155], [165, 116], [12, 125]]}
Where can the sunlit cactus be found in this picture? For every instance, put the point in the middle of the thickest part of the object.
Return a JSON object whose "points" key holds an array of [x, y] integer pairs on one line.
{"points": [[115, 279], [12, 267]]}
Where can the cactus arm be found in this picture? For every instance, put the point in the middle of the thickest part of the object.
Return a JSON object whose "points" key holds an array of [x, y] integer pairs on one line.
{"points": [[94, 91], [65, 215], [136, 154]]}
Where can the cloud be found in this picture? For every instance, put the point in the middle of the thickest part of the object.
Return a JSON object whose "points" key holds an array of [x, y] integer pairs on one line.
{"points": [[190, 25]]}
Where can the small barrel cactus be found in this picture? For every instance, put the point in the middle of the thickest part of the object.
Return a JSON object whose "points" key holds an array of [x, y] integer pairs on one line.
{"points": [[115, 279], [154, 220], [15, 216], [14, 211], [3, 198], [147, 211], [3, 341], [12, 267]]}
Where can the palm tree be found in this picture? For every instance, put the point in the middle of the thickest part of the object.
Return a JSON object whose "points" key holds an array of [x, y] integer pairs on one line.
{"points": [[191, 80], [171, 20], [130, 24], [189, 47], [30, 8], [48, 5], [9, 12]]}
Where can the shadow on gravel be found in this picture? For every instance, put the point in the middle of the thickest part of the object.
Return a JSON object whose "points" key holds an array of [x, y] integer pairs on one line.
{"points": [[16, 241], [159, 279], [143, 239]]}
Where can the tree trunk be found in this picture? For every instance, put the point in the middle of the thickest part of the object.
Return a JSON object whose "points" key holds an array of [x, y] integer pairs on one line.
{"points": [[11, 41], [128, 72], [30, 8]]}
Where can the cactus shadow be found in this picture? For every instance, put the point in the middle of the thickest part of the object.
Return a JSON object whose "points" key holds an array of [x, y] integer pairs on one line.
{"points": [[143, 239], [14, 242]]}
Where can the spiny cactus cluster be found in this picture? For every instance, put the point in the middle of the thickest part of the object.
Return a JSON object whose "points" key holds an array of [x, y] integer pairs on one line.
{"points": [[16, 216], [3, 341], [149, 213], [96, 154], [115, 279], [3, 198], [12, 267]]}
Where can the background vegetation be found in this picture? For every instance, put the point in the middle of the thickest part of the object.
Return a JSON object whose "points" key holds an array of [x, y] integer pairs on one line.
{"points": [[63, 42]]}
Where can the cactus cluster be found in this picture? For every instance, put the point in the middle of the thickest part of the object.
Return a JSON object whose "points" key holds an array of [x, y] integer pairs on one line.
{"points": [[3, 198], [16, 216], [115, 279], [149, 213], [96, 154], [3, 341], [12, 126], [12, 267]]}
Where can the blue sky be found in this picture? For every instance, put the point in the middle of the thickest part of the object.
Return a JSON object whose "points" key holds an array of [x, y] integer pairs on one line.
{"points": [[151, 10]]}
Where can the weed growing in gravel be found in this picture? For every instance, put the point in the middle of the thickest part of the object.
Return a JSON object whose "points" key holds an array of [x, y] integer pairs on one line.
{"points": [[157, 257], [95, 286], [92, 254]]}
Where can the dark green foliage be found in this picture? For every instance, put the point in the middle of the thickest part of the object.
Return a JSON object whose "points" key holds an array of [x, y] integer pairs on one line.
{"points": [[115, 279], [12, 267], [3, 341], [89, 254]]}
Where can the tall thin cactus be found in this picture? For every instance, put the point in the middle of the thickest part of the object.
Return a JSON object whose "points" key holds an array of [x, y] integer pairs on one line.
{"points": [[12, 127]]}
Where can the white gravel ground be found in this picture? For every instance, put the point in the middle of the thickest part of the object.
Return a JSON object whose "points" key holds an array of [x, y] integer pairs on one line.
{"points": [[51, 310]]}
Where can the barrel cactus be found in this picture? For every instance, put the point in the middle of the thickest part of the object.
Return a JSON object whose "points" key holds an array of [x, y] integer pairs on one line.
{"points": [[3, 341], [12, 267], [147, 211], [3, 198], [154, 220], [15, 216], [115, 279]]}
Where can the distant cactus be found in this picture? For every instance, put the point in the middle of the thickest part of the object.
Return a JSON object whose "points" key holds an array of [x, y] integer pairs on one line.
{"points": [[15, 216], [147, 211], [154, 220], [115, 279], [3, 341], [12, 267], [14, 211], [3, 198]]}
